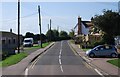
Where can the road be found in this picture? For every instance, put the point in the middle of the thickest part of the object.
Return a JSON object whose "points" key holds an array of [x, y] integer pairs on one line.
{"points": [[60, 60]]}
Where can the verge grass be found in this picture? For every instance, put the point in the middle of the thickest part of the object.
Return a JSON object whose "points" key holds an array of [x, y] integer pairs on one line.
{"points": [[13, 59], [115, 62]]}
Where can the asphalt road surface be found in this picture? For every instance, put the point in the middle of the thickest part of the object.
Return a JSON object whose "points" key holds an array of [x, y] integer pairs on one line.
{"points": [[60, 60]]}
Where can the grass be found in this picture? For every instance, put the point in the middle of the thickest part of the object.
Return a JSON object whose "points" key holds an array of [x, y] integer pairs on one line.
{"points": [[85, 49], [13, 59], [115, 62], [37, 46], [72, 41]]}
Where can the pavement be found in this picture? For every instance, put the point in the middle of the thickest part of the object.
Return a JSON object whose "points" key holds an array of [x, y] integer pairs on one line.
{"points": [[99, 63], [19, 68]]}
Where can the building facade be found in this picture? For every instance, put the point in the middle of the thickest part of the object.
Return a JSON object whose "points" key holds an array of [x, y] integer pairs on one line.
{"points": [[8, 43]]}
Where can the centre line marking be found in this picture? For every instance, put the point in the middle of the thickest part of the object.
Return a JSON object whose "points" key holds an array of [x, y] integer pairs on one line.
{"points": [[61, 68], [59, 56], [60, 61], [60, 52]]}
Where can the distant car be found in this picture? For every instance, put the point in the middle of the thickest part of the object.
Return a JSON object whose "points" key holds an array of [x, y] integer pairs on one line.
{"points": [[102, 50], [28, 42]]}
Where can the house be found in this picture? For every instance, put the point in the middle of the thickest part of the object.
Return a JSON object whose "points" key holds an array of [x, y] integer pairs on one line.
{"points": [[82, 27], [82, 32], [8, 43]]}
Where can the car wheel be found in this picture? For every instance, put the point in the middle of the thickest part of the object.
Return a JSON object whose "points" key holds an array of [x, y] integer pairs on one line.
{"points": [[92, 55], [113, 55]]}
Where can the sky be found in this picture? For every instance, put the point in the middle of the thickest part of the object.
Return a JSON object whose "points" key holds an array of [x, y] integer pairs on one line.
{"points": [[63, 14]]}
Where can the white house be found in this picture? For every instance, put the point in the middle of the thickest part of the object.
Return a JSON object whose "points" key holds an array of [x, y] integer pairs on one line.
{"points": [[82, 27]]}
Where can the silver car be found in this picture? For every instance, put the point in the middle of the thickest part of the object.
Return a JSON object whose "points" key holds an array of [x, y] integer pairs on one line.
{"points": [[102, 50]]}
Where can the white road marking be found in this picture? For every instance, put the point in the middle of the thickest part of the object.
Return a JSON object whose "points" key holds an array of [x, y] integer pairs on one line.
{"points": [[60, 51], [86, 59], [61, 68], [59, 56], [26, 72], [60, 61], [98, 72]]}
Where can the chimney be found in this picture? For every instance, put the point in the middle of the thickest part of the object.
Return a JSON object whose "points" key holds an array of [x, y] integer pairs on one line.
{"points": [[10, 30], [79, 26]]}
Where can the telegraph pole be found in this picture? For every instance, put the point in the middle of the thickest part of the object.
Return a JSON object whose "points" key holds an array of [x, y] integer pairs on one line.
{"points": [[40, 26], [58, 28], [18, 26], [50, 31], [50, 24], [48, 27], [119, 7]]}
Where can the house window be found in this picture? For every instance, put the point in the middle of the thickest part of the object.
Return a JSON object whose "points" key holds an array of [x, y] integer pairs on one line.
{"points": [[3, 41], [9, 41], [13, 41]]}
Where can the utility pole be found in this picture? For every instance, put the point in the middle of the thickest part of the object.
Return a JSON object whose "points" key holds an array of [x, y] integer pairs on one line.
{"points": [[119, 7], [50, 31], [40, 26], [18, 26], [48, 27], [58, 28], [50, 24]]}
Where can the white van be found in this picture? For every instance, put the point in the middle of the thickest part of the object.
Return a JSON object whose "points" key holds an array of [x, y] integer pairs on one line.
{"points": [[28, 42]]}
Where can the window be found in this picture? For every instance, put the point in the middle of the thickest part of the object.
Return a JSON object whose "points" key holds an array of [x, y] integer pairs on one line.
{"points": [[14, 41], [108, 47], [3, 41], [9, 41]]}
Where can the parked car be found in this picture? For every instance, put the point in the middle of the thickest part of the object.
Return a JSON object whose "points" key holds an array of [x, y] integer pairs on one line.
{"points": [[28, 42], [102, 50]]}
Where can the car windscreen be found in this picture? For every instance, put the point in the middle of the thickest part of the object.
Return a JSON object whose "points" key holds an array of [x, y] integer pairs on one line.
{"points": [[27, 40]]}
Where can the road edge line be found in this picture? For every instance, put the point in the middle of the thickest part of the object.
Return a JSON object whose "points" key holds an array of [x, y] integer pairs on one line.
{"points": [[90, 64]]}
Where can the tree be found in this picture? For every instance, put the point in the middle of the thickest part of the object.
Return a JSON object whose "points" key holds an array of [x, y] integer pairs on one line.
{"points": [[72, 33], [64, 35], [109, 24], [56, 35], [43, 38], [29, 35], [50, 35], [37, 37]]}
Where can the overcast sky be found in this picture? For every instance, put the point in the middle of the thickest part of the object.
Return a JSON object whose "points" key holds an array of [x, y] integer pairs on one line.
{"points": [[62, 14]]}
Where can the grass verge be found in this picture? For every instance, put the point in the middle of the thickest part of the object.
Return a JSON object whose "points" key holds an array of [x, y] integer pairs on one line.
{"points": [[38, 46], [72, 41], [85, 49], [115, 62], [13, 59]]}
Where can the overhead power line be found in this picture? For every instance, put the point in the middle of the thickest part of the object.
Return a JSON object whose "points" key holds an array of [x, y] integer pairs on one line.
{"points": [[20, 17]]}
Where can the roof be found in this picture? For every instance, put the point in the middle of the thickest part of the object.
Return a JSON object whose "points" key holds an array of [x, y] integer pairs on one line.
{"points": [[4, 33], [8, 34], [87, 23]]}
